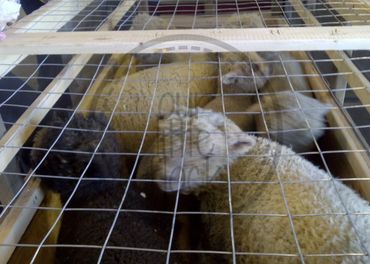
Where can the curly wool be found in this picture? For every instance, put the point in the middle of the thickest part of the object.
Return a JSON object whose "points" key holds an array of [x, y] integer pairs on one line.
{"points": [[132, 230], [317, 234], [292, 119], [313, 198], [89, 226]]}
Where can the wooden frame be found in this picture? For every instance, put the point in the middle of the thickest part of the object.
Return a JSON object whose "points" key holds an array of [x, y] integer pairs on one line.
{"points": [[358, 163], [340, 59], [17, 220], [8, 62], [251, 39], [337, 38]]}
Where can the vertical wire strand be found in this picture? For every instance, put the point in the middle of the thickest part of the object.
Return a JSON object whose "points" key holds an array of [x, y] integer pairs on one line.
{"points": [[286, 205], [325, 163], [82, 174], [136, 161], [229, 188], [44, 157], [181, 165]]}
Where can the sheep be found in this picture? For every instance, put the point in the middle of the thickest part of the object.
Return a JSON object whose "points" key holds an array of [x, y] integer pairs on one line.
{"points": [[254, 73], [281, 72], [241, 75], [89, 227], [313, 198], [287, 120], [275, 96], [238, 86], [164, 87]]}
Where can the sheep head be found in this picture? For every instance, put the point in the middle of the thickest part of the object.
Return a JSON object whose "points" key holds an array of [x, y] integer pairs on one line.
{"points": [[211, 141], [244, 72]]}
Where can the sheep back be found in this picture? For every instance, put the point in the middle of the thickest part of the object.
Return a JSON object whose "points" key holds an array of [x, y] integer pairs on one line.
{"points": [[170, 83], [329, 232]]}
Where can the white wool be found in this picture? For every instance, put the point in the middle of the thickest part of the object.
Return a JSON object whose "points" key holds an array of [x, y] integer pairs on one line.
{"points": [[9, 12], [205, 149], [307, 190], [293, 125]]}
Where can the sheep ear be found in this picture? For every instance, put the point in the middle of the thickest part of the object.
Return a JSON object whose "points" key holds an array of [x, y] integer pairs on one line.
{"points": [[243, 145]]}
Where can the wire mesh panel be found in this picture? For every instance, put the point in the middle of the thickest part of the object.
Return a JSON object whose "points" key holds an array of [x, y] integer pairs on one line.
{"points": [[171, 157]]}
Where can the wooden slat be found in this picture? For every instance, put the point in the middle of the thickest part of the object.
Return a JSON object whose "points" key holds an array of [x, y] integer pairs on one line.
{"points": [[18, 134], [355, 164], [340, 59], [44, 22], [251, 39], [50, 17], [358, 163], [355, 12], [8, 185], [16, 222]]}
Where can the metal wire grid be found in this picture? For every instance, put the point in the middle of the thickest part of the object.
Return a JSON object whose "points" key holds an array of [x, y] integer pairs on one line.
{"points": [[319, 151], [88, 15], [322, 153]]}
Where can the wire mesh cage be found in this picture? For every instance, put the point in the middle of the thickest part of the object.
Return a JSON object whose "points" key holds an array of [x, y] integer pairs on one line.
{"points": [[167, 153]]}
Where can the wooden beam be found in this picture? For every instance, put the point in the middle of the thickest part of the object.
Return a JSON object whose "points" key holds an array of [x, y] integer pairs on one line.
{"points": [[354, 12], [19, 133], [41, 20], [50, 17], [17, 220], [217, 40], [9, 185], [340, 59], [358, 162]]}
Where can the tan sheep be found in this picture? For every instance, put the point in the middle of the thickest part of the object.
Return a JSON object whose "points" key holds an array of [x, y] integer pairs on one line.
{"points": [[167, 86], [262, 227]]}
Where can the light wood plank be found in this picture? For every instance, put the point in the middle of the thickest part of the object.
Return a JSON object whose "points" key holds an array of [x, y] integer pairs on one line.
{"points": [[340, 59], [45, 22], [19, 134], [16, 222], [217, 40], [358, 163]]}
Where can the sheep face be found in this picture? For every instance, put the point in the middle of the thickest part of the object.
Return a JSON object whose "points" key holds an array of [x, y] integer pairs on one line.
{"points": [[245, 72], [204, 155]]}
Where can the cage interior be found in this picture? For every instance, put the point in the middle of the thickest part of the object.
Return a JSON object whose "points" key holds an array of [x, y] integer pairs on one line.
{"points": [[78, 129]]}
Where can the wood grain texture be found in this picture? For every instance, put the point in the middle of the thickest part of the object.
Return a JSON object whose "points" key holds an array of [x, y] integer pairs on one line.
{"points": [[216, 40]]}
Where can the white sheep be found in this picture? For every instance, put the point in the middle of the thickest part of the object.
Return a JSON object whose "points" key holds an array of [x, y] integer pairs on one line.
{"points": [[315, 201], [292, 119], [269, 75]]}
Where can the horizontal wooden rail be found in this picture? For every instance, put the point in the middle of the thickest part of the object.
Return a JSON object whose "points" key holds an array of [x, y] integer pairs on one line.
{"points": [[218, 40], [42, 20]]}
